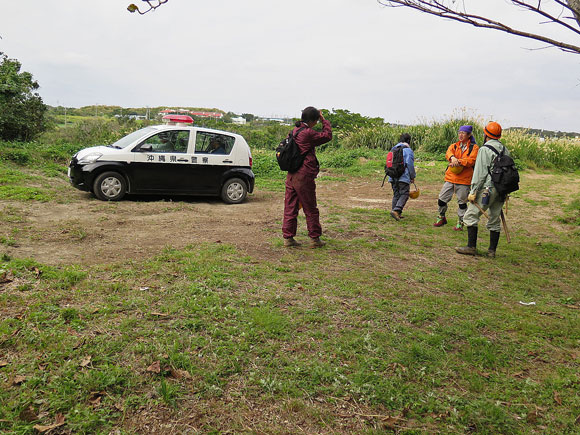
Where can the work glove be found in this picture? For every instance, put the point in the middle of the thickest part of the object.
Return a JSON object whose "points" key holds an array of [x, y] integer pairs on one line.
{"points": [[471, 197]]}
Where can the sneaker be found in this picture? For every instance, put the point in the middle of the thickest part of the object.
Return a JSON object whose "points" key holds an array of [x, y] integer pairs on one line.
{"points": [[290, 242], [441, 220], [466, 250], [459, 226], [491, 253], [396, 215], [316, 243]]}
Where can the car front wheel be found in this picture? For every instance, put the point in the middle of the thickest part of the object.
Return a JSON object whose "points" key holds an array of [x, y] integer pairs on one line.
{"points": [[110, 186], [234, 191]]}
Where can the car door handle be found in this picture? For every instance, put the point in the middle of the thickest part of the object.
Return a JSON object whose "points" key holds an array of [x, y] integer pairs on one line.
{"points": [[227, 161], [182, 160]]}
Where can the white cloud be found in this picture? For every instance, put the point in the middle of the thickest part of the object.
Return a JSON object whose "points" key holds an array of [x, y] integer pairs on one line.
{"points": [[269, 57]]}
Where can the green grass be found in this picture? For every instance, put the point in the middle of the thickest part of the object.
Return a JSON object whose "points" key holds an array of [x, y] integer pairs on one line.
{"points": [[358, 327], [385, 329]]}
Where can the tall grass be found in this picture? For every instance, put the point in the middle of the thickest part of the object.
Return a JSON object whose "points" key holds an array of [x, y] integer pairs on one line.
{"points": [[562, 154], [527, 149], [431, 138]]}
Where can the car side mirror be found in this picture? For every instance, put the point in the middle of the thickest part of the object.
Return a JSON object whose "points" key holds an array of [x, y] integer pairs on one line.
{"points": [[145, 148]]}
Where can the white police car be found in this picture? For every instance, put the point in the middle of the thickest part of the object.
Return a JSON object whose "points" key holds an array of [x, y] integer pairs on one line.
{"points": [[167, 159]]}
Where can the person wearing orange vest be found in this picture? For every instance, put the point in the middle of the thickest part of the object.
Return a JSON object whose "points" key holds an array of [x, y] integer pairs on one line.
{"points": [[461, 156]]}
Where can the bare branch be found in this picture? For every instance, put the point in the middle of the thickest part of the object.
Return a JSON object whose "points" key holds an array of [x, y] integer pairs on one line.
{"points": [[452, 11], [545, 14], [153, 4]]}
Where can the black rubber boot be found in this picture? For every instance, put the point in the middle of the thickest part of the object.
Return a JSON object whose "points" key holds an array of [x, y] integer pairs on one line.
{"points": [[493, 241], [472, 237], [470, 249]]}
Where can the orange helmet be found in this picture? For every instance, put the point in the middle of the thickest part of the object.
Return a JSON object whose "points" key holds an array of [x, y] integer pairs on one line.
{"points": [[493, 130], [456, 169]]}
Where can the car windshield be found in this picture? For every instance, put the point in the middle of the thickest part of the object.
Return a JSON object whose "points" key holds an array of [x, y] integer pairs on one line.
{"points": [[132, 137]]}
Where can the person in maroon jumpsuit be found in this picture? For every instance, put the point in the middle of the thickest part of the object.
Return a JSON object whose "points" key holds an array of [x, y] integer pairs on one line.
{"points": [[300, 185]]}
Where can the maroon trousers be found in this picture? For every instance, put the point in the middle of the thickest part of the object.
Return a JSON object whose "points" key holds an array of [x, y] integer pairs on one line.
{"points": [[300, 189]]}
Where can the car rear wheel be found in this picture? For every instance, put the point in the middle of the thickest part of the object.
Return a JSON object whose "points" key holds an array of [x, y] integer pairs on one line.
{"points": [[110, 186], [234, 191]]}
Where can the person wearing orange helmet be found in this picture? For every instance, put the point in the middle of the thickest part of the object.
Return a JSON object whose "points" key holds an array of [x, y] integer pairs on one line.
{"points": [[484, 194], [461, 156]]}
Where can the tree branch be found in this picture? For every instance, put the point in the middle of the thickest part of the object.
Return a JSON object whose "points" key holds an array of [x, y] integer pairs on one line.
{"points": [[153, 4], [440, 9]]}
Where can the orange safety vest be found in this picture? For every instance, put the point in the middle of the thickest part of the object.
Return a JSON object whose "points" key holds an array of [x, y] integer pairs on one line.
{"points": [[466, 159]]}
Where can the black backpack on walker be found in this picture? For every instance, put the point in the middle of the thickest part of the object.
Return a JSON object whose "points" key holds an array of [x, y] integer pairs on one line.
{"points": [[504, 174], [395, 164], [288, 154]]}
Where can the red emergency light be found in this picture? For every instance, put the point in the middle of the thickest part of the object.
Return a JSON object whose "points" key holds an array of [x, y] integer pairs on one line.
{"points": [[177, 119]]}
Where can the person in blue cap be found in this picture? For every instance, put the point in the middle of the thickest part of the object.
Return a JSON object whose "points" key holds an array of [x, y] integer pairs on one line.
{"points": [[461, 156]]}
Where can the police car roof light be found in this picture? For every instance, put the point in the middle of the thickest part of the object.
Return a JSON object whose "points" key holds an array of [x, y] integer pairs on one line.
{"points": [[177, 119]]}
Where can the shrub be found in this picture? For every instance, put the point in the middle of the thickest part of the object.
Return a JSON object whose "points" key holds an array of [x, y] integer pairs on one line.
{"points": [[18, 156]]}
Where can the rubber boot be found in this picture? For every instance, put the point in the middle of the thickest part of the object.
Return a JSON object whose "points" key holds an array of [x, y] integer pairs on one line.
{"points": [[471, 248], [493, 241]]}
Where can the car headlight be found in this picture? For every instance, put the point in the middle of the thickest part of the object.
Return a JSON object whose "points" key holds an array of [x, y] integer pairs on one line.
{"points": [[90, 158]]}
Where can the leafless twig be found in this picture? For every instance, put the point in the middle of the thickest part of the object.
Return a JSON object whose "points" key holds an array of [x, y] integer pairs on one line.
{"points": [[456, 11], [153, 4]]}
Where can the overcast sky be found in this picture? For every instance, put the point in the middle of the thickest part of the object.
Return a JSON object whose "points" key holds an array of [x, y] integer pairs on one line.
{"points": [[273, 58]]}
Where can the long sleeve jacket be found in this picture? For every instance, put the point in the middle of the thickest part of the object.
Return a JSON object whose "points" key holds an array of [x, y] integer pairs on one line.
{"points": [[466, 159], [307, 140], [481, 171]]}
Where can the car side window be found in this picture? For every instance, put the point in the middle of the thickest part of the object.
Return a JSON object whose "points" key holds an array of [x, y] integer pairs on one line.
{"points": [[174, 141], [213, 143]]}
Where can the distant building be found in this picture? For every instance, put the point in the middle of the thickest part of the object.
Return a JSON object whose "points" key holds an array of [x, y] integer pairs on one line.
{"points": [[214, 115], [239, 120], [281, 121]]}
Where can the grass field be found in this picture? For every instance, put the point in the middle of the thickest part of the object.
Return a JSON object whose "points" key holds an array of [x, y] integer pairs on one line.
{"points": [[384, 330]]}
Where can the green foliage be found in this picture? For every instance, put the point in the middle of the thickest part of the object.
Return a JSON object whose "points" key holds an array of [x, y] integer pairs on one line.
{"points": [[265, 164], [41, 155], [22, 112], [92, 131], [384, 138], [343, 120], [572, 212], [18, 156], [432, 138], [346, 158], [114, 111], [259, 135], [435, 138], [169, 393], [561, 154], [440, 135]]}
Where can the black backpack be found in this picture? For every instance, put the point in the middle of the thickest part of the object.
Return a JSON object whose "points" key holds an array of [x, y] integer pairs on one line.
{"points": [[504, 175], [395, 165], [288, 154]]}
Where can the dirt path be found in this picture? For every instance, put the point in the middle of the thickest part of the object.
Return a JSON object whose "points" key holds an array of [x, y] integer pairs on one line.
{"points": [[87, 231]]}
